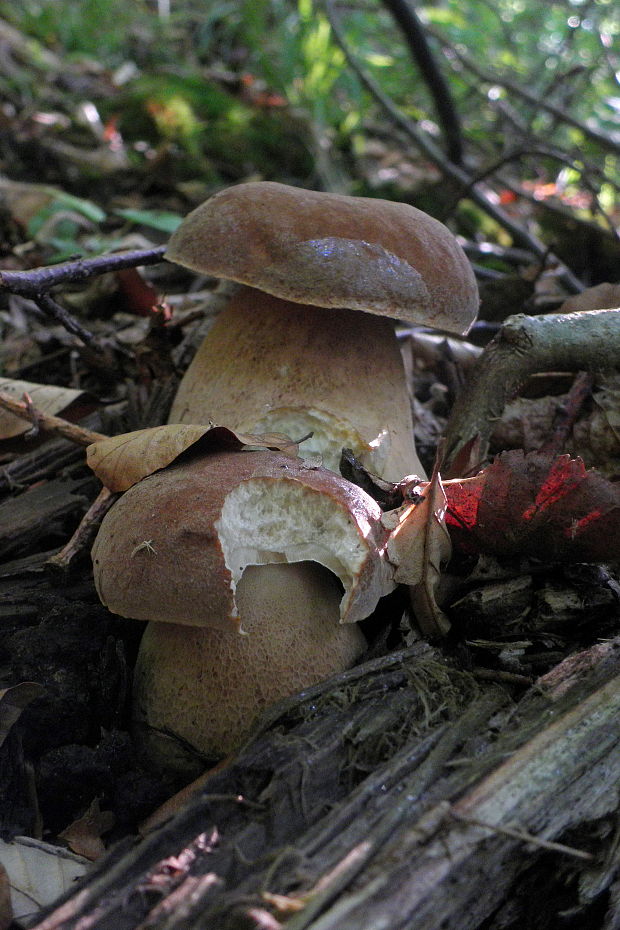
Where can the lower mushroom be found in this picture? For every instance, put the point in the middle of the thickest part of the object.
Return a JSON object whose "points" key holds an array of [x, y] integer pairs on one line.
{"points": [[254, 567], [206, 687]]}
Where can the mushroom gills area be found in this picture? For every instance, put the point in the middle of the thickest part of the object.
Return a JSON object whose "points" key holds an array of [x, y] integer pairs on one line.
{"points": [[288, 522], [198, 692]]}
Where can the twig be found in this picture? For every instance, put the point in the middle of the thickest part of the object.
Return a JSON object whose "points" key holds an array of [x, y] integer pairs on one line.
{"points": [[525, 345], [53, 309], [567, 413], [523, 835], [39, 280], [85, 533], [45, 421], [35, 284], [520, 235], [611, 144]]}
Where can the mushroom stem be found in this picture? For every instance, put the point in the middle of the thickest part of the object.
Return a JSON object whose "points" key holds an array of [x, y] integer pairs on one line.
{"points": [[270, 365], [198, 692]]}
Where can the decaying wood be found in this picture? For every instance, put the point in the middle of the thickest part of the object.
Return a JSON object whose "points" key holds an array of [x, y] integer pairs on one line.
{"points": [[399, 795], [583, 341], [47, 511]]}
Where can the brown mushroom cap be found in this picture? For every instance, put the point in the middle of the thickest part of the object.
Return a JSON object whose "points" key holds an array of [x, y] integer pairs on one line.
{"points": [[331, 250], [202, 689], [175, 546]]}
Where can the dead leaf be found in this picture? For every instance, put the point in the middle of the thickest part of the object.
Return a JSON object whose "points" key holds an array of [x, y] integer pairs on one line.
{"points": [[13, 701], [597, 435], [121, 461], [83, 836], [141, 298], [600, 297], [45, 397], [38, 873], [418, 546], [6, 910], [25, 201], [537, 504]]}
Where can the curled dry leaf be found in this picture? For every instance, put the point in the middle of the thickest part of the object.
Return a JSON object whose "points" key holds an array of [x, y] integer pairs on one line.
{"points": [[418, 546], [537, 504], [599, 297], [45, 397], [13, 701], [83, 836], [121, 461]]}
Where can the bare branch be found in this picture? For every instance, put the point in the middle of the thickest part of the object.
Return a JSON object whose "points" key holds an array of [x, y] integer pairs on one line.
{"points": [[475, 191]]}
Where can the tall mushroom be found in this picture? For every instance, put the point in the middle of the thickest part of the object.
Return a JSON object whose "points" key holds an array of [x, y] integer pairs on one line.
{"points": [[292, 352], [253, 569]]}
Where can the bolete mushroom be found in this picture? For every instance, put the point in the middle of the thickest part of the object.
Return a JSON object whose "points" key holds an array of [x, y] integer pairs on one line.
{"points": [[253, 569], [292, 352]]}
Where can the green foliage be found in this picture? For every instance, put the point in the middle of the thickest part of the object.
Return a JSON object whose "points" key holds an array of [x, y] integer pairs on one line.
{"points": [[189, 91], [85, 27], [163, 220]]}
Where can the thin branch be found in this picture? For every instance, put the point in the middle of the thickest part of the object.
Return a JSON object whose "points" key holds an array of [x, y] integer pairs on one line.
{"points": [[524, 836], [38, 281], [415, 36], [45, 421], [607, 142], [56, 312], [523, 152], [520, 235], [587, 340]]}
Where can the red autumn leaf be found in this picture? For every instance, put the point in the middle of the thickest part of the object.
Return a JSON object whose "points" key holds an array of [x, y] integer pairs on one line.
{"points": [[536, 504], [142, 299]]}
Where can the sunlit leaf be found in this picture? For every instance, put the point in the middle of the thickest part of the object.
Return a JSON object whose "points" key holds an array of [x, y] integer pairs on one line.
{"points": [[47, 398], [121, 461]]}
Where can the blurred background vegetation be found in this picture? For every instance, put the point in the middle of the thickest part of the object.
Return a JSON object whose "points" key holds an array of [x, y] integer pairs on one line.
{"points": [[150, 105]]}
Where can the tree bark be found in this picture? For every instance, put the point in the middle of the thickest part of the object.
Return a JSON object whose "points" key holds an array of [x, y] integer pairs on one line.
{"points": [[400, 795]]}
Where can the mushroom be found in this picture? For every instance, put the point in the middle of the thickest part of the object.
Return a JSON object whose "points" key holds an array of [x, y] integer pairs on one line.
{"points": [[252, 568], [292, 352]]}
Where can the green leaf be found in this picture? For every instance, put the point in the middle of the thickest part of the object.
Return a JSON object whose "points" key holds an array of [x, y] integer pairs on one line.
{"points": [[163, 220]]}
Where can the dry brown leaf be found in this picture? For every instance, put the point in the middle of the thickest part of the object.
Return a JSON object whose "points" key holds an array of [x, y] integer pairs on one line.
{"points": [[13, 701], [418, 545], [6, 909], [23, 200], [45, 397], [83, 836], [600, 297], [121, 461]]}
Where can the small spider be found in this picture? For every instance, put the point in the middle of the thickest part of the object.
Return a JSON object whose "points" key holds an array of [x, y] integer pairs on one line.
{"points": [[146, 544]]}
